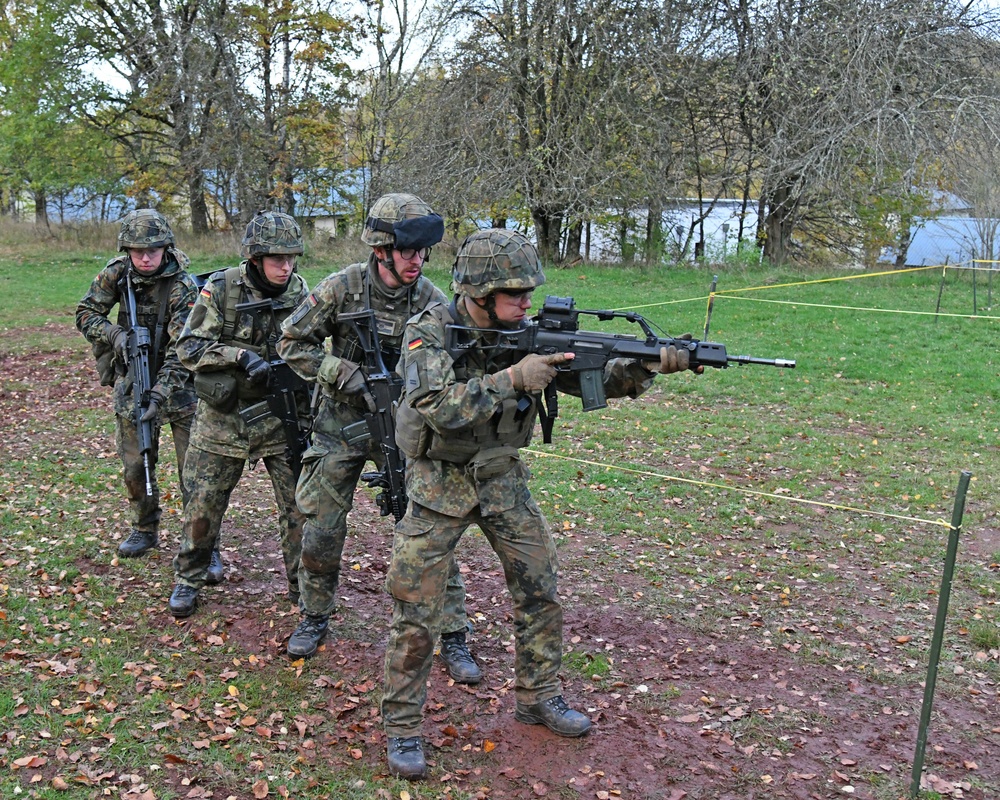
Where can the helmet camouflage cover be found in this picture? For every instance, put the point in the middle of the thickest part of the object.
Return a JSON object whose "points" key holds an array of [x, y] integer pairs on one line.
{"points": [[144, 227], [495, 259], [272, 233], [391, 209]]}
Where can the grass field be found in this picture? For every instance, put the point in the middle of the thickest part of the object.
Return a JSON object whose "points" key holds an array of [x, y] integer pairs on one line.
{"points": [[799, 512]]}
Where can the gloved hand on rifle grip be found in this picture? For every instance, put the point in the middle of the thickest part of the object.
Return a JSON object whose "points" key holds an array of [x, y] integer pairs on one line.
{"points": [[156, 399], [257, 369], [118, 339], [534, 372], [673, 359]]}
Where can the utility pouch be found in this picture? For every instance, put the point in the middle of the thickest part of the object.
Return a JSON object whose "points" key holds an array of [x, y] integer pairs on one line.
{"points": [[107, 369], [492, 463], [412, 435], [218, 389]]}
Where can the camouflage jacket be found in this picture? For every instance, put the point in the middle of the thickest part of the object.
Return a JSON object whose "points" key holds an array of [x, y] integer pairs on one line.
{"points": [[460, 402], [202, 348], [314, 341], [93, 321]]}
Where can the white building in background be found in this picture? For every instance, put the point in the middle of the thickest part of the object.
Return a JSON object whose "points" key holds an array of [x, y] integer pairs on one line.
{"points": [[682, 229], [954, 235]]}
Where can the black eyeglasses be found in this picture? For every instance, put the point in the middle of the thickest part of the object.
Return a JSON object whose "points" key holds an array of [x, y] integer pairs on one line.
{"points": [[409, 252], [516, 294]]}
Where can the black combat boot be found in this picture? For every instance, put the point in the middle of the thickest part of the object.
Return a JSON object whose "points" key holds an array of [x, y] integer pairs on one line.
{"points": [[406, 757], [555, 715], [458, 660], [305, 641], [216, 571], [183, 600], [137, 543]]}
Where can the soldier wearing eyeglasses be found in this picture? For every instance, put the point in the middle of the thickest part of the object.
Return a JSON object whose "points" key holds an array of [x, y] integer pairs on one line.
{"points": [[323, 348], [462, 420]]}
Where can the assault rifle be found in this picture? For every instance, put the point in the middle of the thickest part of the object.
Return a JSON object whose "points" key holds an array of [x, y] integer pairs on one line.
{"points": [[283, 386], [385, 388], [556, 329], [139, 350]]}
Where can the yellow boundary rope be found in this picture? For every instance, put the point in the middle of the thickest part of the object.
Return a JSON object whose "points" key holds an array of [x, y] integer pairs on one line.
{"points": [[731, 294], [861, 308], [753, 492]]}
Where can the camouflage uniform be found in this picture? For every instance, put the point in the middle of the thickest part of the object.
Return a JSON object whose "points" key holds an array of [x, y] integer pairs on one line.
{"points": [[176, 289], [332, 467], [221, 442], [465, 419]]}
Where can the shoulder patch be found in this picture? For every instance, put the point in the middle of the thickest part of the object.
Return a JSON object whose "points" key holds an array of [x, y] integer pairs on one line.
{"points": [[303, 309], [413, 344]]}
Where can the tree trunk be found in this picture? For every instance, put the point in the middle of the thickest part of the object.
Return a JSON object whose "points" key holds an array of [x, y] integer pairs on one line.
{"points": [[779, 224], [654, 232], [548, 232], [41, 208], [903, 242], [574, 237], [196, 201]]}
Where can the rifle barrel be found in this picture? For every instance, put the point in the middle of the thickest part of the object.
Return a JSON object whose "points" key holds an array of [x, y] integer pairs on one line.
{"points": [[769, 362]]}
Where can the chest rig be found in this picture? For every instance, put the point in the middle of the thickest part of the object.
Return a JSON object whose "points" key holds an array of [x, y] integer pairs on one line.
{"points": [[494, 441], [151, 301], [390, 317], [250, 336]]}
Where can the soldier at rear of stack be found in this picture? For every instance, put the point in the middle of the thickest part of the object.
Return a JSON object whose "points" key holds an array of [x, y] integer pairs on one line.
{"points": [[164, 294]]}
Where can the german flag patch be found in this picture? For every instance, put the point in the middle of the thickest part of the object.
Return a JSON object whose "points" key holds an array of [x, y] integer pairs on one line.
{"points": [[205, 292], [414, 344]]}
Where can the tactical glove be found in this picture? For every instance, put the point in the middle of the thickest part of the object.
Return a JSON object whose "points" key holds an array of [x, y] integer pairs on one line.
{"points": [[534, 372], [155, 401], [671, 360], [118, 340], [257, 369], [350, 379]]}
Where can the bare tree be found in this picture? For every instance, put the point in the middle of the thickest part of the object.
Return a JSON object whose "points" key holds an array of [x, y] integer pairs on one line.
{"points": [[831, 89]]}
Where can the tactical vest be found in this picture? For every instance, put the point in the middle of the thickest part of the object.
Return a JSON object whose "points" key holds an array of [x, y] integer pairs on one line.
{"points": [[389, 323], [151, 301], [487, 447], [222, 389], [233, 293]]}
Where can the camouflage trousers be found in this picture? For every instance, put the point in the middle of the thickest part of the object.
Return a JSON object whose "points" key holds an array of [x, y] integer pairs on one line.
{"points": [[144, 510], [210, 479], [421, 553], [331, 470]]}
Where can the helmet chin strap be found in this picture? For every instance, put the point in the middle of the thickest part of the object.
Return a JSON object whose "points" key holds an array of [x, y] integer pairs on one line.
{"points": [[489, 305], [390, 265]]}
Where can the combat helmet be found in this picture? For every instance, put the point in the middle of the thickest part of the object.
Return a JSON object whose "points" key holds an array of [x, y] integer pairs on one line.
{"points": [[402, 221], [271, 233], [496, 259], [143, 228]]}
